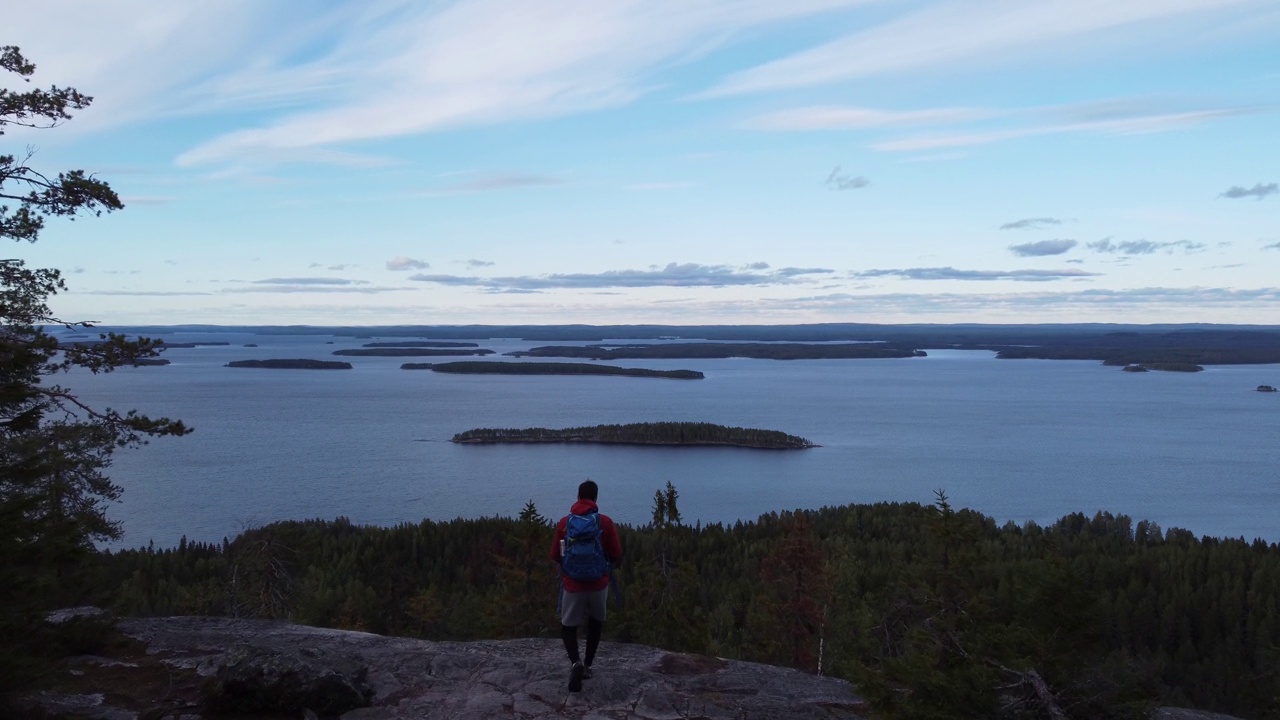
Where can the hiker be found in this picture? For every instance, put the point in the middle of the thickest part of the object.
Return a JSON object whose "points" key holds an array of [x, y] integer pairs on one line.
{"points": [[585, 548]]}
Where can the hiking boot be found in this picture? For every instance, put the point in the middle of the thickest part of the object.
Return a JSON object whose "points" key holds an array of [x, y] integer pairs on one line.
{"points": [[586, 672], [575, 677]]}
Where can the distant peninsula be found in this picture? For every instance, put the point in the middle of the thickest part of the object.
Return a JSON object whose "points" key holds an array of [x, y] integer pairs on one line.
{"points": [[409, 352], [761, 351], [421, 344], [295, 364], [659, 433], [479, 367]]}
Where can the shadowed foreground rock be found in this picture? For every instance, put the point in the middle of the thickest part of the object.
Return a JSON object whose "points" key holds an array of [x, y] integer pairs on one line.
{"points": [[276, 669]]}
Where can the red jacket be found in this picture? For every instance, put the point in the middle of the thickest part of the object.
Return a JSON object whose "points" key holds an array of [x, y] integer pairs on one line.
{"points": [[608, 540]]}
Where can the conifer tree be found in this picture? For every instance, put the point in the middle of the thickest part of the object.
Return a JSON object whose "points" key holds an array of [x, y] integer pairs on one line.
{"points": [[667, 611], [789, 618], [523, 603], [54, 448]]}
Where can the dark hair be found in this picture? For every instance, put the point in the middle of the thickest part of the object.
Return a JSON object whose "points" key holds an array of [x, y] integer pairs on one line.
{"points": [[588, 491]]}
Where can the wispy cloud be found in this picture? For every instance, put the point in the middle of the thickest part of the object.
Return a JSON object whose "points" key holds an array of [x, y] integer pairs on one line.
{"points": [[400, 68], [315, 288], [1030, 223], [491, 183], [950, 273], [138, 293], [1258, 191], [1132, 125], [1143, 247], [839, 181], [284, 285], [672, 275], [1071, 303], [473, 263], [658, 186], [308, 281], [788, 272], [1272, 246], [1043, 248], [401, 262], [829, 117], [946, 32]]}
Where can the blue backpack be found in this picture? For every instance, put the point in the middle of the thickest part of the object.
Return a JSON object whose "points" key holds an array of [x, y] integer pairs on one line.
{"points": [[584, 558]]}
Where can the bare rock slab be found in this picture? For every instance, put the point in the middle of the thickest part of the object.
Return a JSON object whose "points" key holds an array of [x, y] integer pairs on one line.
{"points": [[360, 676]]}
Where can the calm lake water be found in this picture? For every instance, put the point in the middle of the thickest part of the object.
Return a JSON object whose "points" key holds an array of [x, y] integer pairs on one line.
{"points": [[1015, 439]]}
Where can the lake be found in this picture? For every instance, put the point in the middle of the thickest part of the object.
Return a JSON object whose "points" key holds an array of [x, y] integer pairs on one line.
{"points": [[1015, 439]]}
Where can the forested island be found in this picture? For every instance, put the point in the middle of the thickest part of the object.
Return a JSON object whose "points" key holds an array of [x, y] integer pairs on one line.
{"points": [[146, 362], [292, 364], [169, 345], [476, 367], [1266, 388], [659, 433], [421, 344], [763, 351], [409, 352]]}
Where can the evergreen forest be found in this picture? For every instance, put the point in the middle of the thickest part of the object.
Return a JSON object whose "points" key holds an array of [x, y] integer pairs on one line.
{"points": [[932, 612]]}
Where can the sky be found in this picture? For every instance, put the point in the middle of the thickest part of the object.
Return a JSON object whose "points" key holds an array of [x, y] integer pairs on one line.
{"points": [[379, 162]]}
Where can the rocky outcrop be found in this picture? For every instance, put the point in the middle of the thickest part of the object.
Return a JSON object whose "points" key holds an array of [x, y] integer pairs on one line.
{"points": [[199, 668], [277, 669]]}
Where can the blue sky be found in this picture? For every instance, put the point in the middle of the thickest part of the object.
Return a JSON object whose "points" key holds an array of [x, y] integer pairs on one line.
{"points": [[682, 161]]}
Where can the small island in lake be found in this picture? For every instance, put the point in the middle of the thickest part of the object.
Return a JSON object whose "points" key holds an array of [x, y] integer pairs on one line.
{"points": [[1266, 388], [421, 344], [760, 351], [409, 352], [149, 361], [293, 364], [1165, 366], [658, 433], [480, 367]]}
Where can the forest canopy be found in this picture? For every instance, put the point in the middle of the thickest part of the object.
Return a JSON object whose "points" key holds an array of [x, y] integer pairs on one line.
{"points": [[930, 611]]}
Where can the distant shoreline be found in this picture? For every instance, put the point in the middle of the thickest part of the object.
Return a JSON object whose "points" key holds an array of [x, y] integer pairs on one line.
{"points": [[1120, 345]]}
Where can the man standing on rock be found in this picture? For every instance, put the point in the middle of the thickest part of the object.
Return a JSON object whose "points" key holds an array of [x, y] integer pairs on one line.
{"points": [[586, 548]]}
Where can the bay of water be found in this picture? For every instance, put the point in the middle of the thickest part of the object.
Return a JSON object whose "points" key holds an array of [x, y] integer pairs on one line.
{"points": [[1015, 439]]}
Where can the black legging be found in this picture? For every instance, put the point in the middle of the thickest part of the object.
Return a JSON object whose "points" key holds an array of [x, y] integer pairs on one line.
{"points": [[569, 634]]}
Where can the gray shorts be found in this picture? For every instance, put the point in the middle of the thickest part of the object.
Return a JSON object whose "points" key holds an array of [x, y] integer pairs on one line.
{"points": [[573, 605]]}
